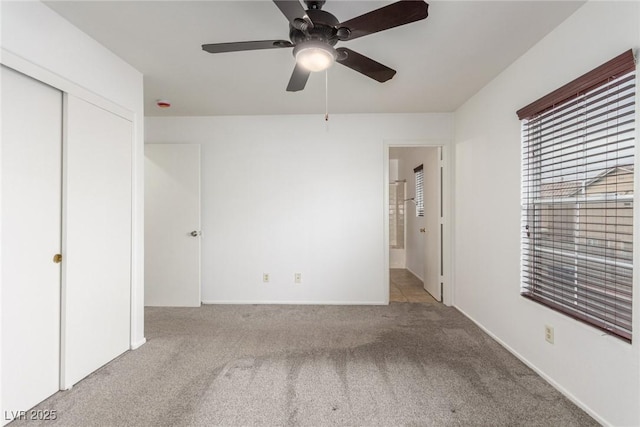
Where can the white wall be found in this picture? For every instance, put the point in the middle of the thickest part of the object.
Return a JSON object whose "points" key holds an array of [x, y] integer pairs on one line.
{"points": [[38, 42], [293, 194], [599, 372]]}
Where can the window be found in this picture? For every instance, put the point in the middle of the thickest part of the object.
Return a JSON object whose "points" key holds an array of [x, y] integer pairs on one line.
{"points": [[577, 197], [419, 174]]}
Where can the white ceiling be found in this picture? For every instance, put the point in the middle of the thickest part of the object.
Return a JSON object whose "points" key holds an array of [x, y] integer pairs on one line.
{"points": [[440, 61]]}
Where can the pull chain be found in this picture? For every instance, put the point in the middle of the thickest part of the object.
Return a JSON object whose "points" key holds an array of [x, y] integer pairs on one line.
{"points": [[326, 95]]}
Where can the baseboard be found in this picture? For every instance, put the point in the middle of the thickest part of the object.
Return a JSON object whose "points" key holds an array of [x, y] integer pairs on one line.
{"points": [[137, 345], [243, 302], [419, 276], [538, 371]]}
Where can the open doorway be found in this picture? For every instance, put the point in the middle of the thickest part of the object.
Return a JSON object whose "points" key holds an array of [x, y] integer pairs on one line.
{"points": [[416, 223]]}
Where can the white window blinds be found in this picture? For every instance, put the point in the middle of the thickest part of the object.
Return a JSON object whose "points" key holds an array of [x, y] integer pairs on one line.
{"points": [[419, 199], [577, 200]]}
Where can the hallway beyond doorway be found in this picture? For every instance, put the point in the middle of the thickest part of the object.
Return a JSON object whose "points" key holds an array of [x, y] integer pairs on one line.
{"points": [[404, 286]]}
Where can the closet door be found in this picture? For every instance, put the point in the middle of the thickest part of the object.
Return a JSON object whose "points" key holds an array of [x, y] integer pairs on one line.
{"points": [[31, 212], [96, 274]]}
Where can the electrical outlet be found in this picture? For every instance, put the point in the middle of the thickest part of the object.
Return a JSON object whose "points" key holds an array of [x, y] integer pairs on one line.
{"points": [[548, 334], [265, 277], [297, 278]]}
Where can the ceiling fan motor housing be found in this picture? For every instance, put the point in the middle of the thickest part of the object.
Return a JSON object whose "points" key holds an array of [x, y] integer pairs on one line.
{"points": [[324, 29]]}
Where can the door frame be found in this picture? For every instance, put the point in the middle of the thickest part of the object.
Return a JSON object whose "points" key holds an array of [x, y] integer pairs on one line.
{"points": [[447, 210]]}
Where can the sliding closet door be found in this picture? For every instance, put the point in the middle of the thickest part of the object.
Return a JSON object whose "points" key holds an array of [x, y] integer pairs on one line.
{"points": [[31, 204], [96, 273]]}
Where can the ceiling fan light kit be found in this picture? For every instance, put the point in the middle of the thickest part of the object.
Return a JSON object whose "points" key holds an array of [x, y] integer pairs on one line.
{"points": [[315, 32], [315, 55]]}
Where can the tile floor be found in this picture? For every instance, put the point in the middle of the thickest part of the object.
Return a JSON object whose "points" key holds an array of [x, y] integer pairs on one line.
{"points": [[405, 287]]}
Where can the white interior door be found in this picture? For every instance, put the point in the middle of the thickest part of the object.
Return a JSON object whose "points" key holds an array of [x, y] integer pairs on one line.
{"points": [[432, 219], [96, 272], [172, 225], [31, 216]]}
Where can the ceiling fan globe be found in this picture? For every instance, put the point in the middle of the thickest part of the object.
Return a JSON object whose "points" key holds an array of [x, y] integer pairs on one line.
{"points": [[315, 55]]}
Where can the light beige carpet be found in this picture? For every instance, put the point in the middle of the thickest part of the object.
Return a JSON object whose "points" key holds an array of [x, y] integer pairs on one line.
{"points": [[402, 364]]}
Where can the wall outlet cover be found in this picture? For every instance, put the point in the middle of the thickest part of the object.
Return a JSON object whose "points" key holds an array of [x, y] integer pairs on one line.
{"points": [[548, 334]]}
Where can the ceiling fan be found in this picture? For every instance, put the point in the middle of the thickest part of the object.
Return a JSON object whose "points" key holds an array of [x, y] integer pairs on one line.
{"points": [[313, 33]]}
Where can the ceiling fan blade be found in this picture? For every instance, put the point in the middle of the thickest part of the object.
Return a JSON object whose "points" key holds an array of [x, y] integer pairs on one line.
{"points": [[295, 13], [364, 65], [240, 46], [393, 15], [298, 79]]}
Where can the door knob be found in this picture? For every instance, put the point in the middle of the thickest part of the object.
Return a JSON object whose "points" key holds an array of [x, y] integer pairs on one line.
{"points": [[195, 233]]}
